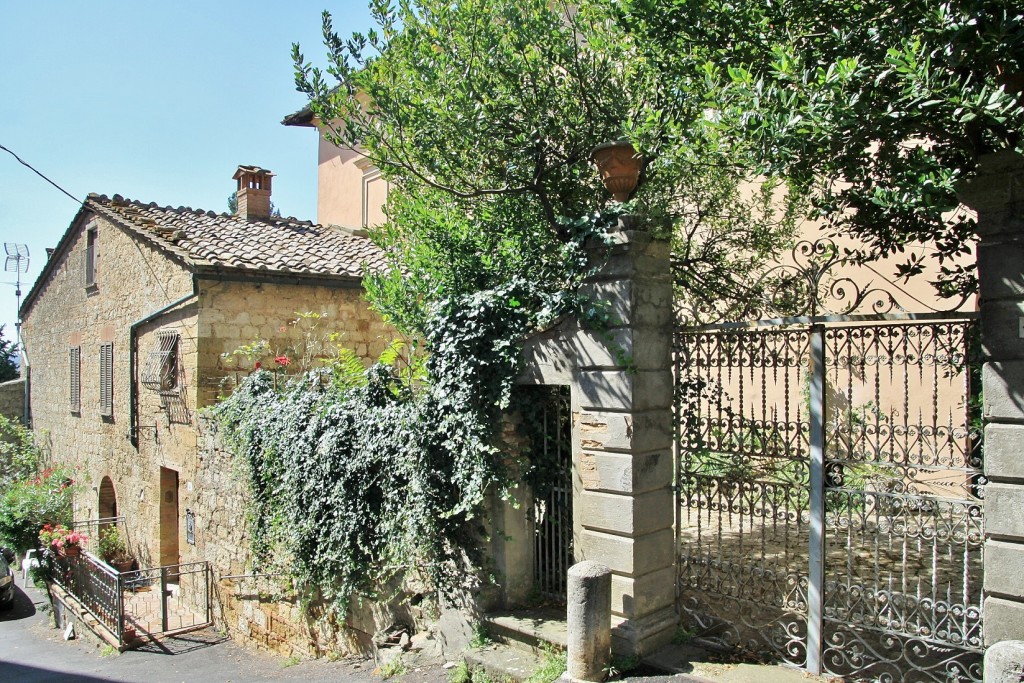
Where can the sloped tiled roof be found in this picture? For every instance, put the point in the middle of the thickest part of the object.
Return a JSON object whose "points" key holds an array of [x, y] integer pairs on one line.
{"points": [[212, 241]]}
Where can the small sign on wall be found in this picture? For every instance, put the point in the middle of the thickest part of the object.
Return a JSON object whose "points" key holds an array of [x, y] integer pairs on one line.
{"points": [[190, 527]]}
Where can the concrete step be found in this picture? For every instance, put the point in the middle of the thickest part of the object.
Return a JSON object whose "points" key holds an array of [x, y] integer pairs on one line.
{"points": [[528, 630]]}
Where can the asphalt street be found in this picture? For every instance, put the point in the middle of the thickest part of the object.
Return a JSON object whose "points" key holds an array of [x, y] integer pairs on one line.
{"points": [[31, 651]]}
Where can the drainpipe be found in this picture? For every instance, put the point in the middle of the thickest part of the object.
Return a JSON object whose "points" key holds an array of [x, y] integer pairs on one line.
{"points": [[133, 388], [26, 380]]}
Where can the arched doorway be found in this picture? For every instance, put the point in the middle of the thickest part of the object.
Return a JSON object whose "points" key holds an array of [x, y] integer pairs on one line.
{"points": [[108, 501]]}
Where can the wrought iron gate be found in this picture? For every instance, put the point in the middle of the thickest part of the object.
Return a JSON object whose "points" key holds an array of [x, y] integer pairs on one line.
{"points": [[552, 513], [830, 495]]}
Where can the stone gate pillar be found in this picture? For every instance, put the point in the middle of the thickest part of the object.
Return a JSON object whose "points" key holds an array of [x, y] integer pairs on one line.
{"points": [[997, 194], [621, 386]]}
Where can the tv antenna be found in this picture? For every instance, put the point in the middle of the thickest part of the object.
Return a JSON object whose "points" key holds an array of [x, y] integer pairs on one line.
{"points": [[17, 262]]}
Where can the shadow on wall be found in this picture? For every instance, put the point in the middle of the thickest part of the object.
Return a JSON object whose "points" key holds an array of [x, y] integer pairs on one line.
{"points": [[1003, 386]]}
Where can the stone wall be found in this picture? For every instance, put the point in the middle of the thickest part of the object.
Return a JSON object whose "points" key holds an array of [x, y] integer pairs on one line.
{"points": [[132, 281], [238, 313], [12, 399], [996, 195], [621, 394], [259, 610]]}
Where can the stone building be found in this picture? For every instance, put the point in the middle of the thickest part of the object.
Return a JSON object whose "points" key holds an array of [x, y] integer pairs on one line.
{"points": [[129, 332]]}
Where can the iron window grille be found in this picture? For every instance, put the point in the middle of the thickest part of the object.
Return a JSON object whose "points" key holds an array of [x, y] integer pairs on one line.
{"points": [[161, 370], [107, 379], [75, 384]]}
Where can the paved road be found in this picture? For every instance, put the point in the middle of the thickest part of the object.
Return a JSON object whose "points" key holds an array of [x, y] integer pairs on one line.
{"points": [[33, 652]]}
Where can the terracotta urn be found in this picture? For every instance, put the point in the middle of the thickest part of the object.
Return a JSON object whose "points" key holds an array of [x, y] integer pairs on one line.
{"points": [[619, 166]]}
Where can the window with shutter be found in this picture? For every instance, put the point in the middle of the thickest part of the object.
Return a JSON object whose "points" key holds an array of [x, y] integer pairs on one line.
{"points": [[107, 379], [90, 257], [75, 385]]}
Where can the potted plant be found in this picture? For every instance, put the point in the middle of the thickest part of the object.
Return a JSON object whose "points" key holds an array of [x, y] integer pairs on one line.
{"points": [[113, 550], [66, 542]]}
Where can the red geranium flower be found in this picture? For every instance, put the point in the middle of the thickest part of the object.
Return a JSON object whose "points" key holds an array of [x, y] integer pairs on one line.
{"points": [[282, 360]]}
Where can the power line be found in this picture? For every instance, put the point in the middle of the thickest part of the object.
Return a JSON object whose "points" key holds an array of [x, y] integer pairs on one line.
{"points": [[41, 175]]}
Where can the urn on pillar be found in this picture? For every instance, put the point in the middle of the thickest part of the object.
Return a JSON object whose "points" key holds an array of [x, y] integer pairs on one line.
{"points": [[619, 165]]}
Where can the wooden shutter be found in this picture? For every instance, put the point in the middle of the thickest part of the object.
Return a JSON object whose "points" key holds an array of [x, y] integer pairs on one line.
{"points": [[75, 370], [107, 379]]}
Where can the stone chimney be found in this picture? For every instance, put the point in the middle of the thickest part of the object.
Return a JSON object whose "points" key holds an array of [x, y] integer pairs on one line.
{"points": [[253, 192]]}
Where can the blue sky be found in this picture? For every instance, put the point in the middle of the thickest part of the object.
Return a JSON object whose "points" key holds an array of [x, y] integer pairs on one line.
{"points": [[156, 101]]}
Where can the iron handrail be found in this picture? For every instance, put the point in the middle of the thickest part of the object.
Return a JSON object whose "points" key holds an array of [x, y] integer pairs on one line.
{"points": [[100, 589], [96, 586]]}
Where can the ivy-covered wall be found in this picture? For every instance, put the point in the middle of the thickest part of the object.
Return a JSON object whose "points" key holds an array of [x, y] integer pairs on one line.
{"points": [[267, 611]]}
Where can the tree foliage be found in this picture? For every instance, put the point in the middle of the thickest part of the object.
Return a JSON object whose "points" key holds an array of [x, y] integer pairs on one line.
{"points": [[19, 455], [482, 115], [8, 354], [27, 504], [875, 109]]}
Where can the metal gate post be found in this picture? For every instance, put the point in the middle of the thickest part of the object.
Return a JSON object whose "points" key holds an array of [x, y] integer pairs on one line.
{"points": [[163, 598], [208, 583], [816, 481], [119, 586]]}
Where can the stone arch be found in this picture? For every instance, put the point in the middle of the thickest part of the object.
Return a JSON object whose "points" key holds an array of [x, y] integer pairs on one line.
{"points": [[108, 499]]}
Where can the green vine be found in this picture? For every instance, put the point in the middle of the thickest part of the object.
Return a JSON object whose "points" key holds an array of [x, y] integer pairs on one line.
{"points": [[358, 482]]}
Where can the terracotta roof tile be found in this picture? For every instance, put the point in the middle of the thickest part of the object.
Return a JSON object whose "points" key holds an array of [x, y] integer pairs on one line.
{"points": [[282, 245]]}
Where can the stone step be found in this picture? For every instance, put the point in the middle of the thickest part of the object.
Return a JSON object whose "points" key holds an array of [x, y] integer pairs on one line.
{"points": [[503, 662], [528, 630]]}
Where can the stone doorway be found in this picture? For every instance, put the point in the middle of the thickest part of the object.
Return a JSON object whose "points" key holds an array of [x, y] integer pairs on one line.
{"points": [[168, 516], [550, 418]]}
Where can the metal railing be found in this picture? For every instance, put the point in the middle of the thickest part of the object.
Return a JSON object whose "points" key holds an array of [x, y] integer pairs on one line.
{"points": [[830, 495], [96, 586], [93, 527], [142, 602], [168, 598]]}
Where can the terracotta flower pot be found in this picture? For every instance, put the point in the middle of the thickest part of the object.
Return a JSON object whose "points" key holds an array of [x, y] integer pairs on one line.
{"points": [[619, 166], [71, 551]]}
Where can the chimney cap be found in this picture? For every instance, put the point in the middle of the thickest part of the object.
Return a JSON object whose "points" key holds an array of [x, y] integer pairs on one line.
{"points": [[250, 170]]}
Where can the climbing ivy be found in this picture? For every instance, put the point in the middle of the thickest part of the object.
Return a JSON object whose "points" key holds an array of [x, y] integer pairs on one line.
{"points": [[355, 484]]}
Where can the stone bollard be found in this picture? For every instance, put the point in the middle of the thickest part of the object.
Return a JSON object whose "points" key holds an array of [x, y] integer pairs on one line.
{"points": [[589, 621], [1004, 662]]}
